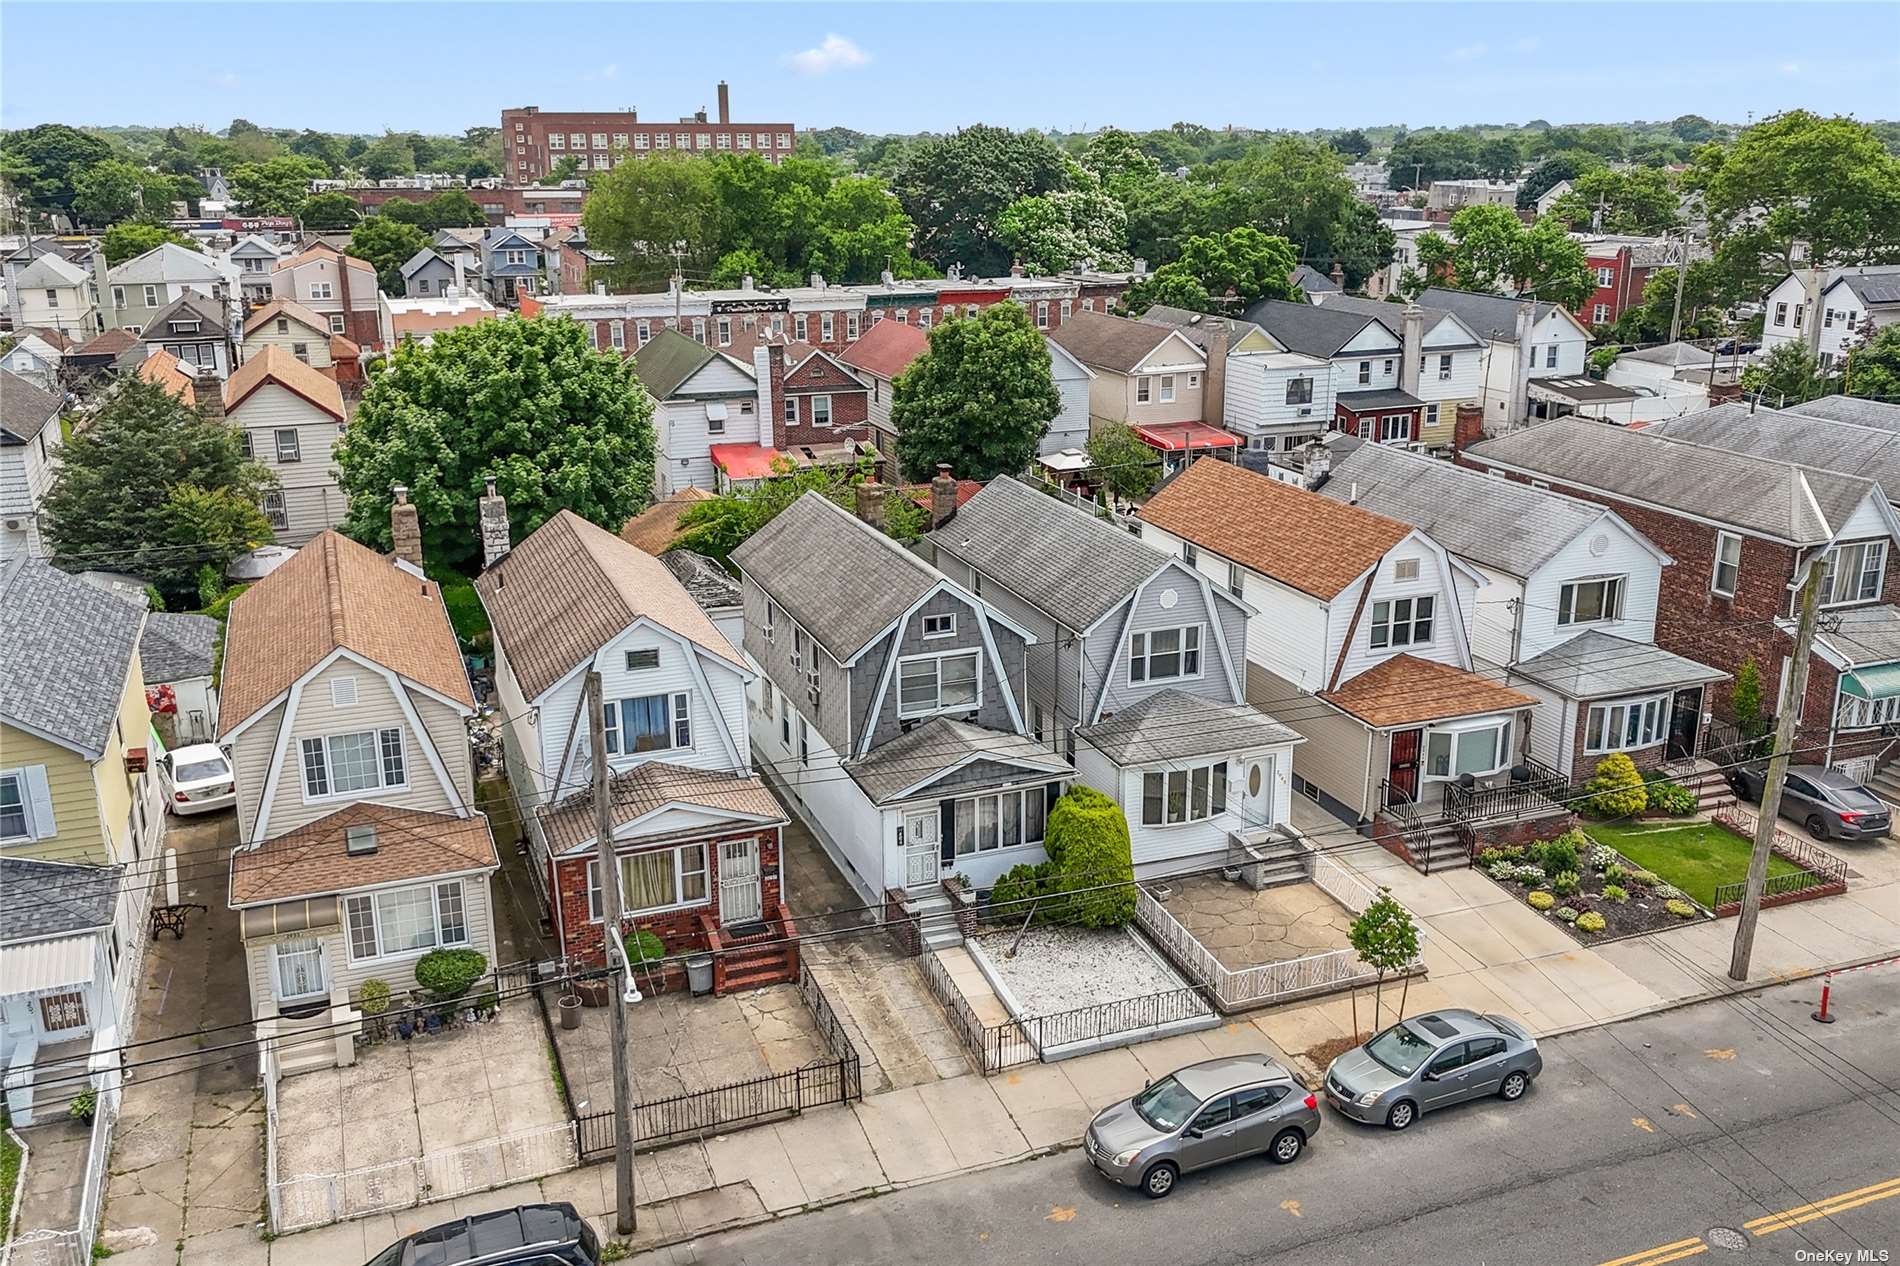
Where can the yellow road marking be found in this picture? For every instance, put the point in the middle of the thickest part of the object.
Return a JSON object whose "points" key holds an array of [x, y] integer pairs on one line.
{"points": [[1650, 1253], [1723, 1053], [1684, 1110], [1823, 1208], [1291, 1206], [1676, 1257], [1642, 1123], [1060, 1213]]}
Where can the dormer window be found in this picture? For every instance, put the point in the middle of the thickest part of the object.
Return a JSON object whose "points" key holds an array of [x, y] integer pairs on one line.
{"points": [[1402, 622], [929, 684], [1164, 654], [650, 723]]}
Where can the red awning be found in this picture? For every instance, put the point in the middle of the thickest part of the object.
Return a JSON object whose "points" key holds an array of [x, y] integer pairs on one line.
{"points": [[1175, 437], [744, 461]]}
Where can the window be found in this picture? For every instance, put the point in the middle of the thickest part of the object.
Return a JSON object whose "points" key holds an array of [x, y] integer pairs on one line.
{"points": [[642, 660], [577, 140], [851, 326], [556, 141], [923, 318], [1616, 727], [641, 140], [771, 618], [337, 324], [765, 140], [1299, 391], [1431, 416], [289, 448], [1728, 564], [1482, 750], [663, 140], [1405, 569], [1365, 373], [1042, 314], [1165, 654], [649, 723], [320, 290], [658, 880], [1088, 305], [699, 329], [804, 742], [702, 141], [745, 140], [1144, 390], [784, 140], [1798, 308], [725, 331], [1827, 319], [1444, 367], [1171, 797], [798, 326], [246, 446], [1234, 578], [1189, 554], [1402, 622], [346, 764], [118, 301], [1167, 389], [406, 920], [600, 140], [617, 335], [1606, 277], [1590, 601], [16, 822], [821, 410], [940, 625], [715, 418], [642, 333], [1855, 713], [151, 296], [1550, 357], [298, 965], [928, 684], [1600, 314], [791, 411], [1395, 428], [1781, 314], [1010, 819], [274, 509], [827, 327], [903, 316], [1388, 366], [1853, 573]]}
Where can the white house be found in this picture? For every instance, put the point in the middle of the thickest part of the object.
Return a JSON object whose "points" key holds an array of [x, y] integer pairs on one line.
{"points": [[29, 454], [701, 397], [54, 293], [290, 418], [1523, 341], [36, 356], [1845, 298], [290, 327]]}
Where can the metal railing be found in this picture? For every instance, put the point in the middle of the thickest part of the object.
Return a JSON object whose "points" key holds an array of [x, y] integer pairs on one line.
{"points": [[1542, 791], [971, 1032], [1818, 867], [73, 1246], [1401, 807]]}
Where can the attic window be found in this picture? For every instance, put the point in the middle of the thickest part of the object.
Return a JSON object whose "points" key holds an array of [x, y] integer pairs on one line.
{"points": [[638, 660], [1405, 569], [185, 327], [343, 692], [358, 841]]}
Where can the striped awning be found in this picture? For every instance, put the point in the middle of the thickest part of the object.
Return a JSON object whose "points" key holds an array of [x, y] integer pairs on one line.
{"points": [[46, 966], [1877, 681]]}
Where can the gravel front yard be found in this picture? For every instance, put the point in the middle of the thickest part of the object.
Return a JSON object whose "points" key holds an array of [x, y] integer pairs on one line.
{"points": [[1061, 969]]}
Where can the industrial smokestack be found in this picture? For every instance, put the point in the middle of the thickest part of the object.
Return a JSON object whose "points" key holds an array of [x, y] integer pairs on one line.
{"points": [[725, 104]]}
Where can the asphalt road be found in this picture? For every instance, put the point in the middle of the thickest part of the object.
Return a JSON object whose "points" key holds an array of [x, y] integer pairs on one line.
{"points": [[1671, 1138]]}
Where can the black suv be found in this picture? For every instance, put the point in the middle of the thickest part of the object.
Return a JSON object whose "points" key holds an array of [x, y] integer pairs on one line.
{"points": [[528, 1235]]}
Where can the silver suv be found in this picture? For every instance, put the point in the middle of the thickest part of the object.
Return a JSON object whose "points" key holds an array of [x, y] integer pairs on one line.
{"points": [[1201, 1115], [1432, 1061]]}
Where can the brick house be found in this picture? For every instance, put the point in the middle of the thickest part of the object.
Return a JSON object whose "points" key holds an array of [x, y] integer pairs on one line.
{"points": [[1622, 266], [815, 398], [341, 289]]}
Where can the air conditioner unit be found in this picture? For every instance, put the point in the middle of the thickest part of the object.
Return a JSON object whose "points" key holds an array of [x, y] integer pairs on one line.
{"points": [[1306, 411]]}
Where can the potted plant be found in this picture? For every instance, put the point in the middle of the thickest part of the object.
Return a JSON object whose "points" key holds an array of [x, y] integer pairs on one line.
{"points": [[570, 1006], [372, 999], [83, 1106]]}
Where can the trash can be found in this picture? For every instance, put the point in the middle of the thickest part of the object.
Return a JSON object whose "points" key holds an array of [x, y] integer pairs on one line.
{"points": [[699, 974], [570, 1011]]}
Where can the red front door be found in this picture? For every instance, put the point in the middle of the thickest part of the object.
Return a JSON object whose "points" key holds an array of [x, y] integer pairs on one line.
{"points": [[1404, 772]]}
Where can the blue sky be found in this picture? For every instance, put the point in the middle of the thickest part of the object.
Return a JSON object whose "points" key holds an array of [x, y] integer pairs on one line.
{"points": [[914, 67]]}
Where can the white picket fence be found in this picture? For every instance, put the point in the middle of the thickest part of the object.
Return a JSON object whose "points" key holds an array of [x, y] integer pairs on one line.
{"points": [[73, 1246]]}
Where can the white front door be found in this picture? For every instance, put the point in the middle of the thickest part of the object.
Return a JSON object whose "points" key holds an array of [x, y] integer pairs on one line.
{"points": [[1257, 777], [921, 864], [739, 898]]}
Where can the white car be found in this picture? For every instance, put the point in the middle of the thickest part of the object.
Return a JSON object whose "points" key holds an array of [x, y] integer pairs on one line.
{"points": [[197, 779]]}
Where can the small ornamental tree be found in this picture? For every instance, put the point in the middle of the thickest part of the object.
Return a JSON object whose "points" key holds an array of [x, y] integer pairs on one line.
{"points": [[1128, 467], [1617, 791], [449, 973], [1386, 939], [1092, 873], [1745, 700]]}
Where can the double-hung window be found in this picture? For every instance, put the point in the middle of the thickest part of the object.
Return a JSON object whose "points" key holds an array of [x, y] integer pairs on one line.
{"points": [[1365, 373], [16, 821], [1728, 564], [289, 449], [400, 921], [1590, 601], [1167, 389], [1624, 726], [928, 684], [821, 410], [1164, 654], [1144, 390], [1173, 796], [1299, 391], [1853, 573], [352, 764], [1444, 367], [1402, 622], [649, 723], [1006, 820]]}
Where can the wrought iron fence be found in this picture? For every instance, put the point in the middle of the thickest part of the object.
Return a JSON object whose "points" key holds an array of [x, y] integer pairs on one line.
{"points": [[1818, 867], [1542, 790], [971, 1032], [1401, 807], [1775, 886], [1031, 1037]]}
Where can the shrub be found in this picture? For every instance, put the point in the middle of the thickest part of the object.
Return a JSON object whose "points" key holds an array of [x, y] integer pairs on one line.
{"points": [[1591, 921], [1541, 900], [448, 973], [1019, 885], [1681, 909], [1501, 853], [1505, 871], [1615, 894], [372, 997], [1530, 875], [1669, 892], [1617, 790], [1672, 798], [1614, 874], [1602, 858], [1087, 842], [642, 946], [1567, 913], [1565, 883], [1645, 878], [1558, 855]]}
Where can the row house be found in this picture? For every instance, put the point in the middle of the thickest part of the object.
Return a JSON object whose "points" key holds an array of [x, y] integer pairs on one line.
{"points": [[1149, 377], [1847, 301], [1272, 399], [1364, 353], [339, 288], [1137, 672], [1621, 265], [344, 705], [193, 330], [1525, 342], [1743, 531], [289, 418], [252, 257]]}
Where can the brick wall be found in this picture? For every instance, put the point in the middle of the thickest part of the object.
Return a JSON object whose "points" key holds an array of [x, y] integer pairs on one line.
{"points": [[679, 930]]}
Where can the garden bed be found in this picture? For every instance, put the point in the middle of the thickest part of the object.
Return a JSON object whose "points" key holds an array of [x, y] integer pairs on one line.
{"points": [[1697, 857], [1589, 888]]}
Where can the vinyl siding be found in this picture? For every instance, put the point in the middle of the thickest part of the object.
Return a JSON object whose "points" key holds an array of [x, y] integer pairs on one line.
{"points": [[1623, 556], [1288, 633], [312, 499], [1494, 624], [865, 836], [1334, 755], [1070, 427], [70, 785], [1152, 611], [1552, 723], [685, 458], [1256, 397], [1452, 602], [316, 343]]}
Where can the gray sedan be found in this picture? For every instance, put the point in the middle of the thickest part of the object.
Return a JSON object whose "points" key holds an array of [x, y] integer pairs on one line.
{"points": [[1432, 1061], [1204, 1114], [1827, 802]]}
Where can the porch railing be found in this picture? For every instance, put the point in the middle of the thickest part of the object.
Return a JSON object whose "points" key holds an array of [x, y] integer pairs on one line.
{"points": [[1543, 791], [1401, 808]]}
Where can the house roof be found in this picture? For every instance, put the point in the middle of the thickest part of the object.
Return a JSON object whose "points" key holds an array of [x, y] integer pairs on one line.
{"points": [[88, 898], [322, 250], [111, 343], [711, 586], [844, 581], [1316, 329], [168, 261], [1312, 281], [1851, 409], [1768, 498], [1378, 398], [1199, 328], [745, 461], [313, 860], [1059, 558], [1858, 636], [69, 648], [1392, 316], [1112, 342], [55, 339], [177, 646], [1313, 543], [1498, 523], [1407, 690], [1676, 355], [209, 313], [272, 364], [1488, 316], [1175, 725], [570, 587], [334, 594], [939, 745], [1877, 285], [1183, 437], [887, 348], [1580, 389], [418, 259], [50, 271], [1808, 440], [24, 408], [656, 529], [1595, 665], [652, 785], [164, 369], [669, 359], [284, 308]]}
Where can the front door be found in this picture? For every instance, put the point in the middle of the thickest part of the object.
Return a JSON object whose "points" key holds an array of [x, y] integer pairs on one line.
{"points": [[298, 977], [1258, 796], [1404, 771], [921, 866], [739, 898], [1685, 721]]}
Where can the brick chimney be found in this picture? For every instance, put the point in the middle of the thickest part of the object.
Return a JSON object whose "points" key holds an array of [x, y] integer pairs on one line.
{"points": [[208, 393], [943, 496], [493, 514], [1339, 275], [775, 366], [1316, 465], [725, 103], [1468, 429], [1412, 338], [871, 504], [405, 528]]}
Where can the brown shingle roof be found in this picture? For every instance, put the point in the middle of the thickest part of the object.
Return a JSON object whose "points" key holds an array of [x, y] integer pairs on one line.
{"points": [[656, 529], [1316, 544], [653, 785], [1111, 342], [887, 349], [284, 308], [311, 861], [1406, 690], [111, 343], [335, 594], [162, 367], [318, 249], [273, 364], [571, 586]]}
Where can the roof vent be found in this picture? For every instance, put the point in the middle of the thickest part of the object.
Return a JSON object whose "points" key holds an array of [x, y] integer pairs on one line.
{"points": [[359, 841]]}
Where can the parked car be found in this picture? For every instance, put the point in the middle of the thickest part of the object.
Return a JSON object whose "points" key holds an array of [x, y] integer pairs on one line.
{"points": [[1204, 1114], [527, 1235], [1430, 1062], [1827, 802], [197, 779]]}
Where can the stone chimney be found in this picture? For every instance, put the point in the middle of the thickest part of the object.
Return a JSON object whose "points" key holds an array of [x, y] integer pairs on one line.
{"points": [[1412, 328], [725, 103], [1811, 279], [871, 504], [775, 377], [1317, 465], [943, 496], [1521, 381], [208, 394], [492, 513], [405, 528]]}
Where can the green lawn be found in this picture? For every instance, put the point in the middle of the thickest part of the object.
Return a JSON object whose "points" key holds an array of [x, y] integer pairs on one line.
{"points": [[9, 1174], [1694, 856], [465, 608]]}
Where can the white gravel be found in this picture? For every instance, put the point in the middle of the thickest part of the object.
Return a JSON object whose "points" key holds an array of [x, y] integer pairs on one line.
{"points": [[1060, 969]]}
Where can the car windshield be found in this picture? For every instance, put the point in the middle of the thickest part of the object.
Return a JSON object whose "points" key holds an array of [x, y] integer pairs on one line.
{"points": [[1399, 1050], [199, 770], [1166, 1105]]}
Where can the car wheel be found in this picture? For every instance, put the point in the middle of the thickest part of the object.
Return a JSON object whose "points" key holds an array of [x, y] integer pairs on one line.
{"points": [[1514, 1087], [1402, 1115], [1816, 826], [1286, 1147], [1159, 1180]]}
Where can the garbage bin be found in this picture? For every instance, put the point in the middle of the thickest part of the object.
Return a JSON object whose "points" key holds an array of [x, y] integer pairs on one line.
{"points": [[699, 974], [570, 1006]]}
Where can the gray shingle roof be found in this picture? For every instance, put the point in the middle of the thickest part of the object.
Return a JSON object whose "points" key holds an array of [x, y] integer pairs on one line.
{"points": [[1316, 329], [1109, 342], [1810, 441], [1175, 725], [1489, 316], [1860, 635], [24, 408], [1312, 281], [841, 579], [1379, 398], [1199, 328], [1499, 523], [209, 314], [1875, 286], [1595, 665], [1766, 498], [937, 745], [177, 647], [712, 586], [87, 898], [1851, 409], [1060, 559], [1392, 315], [167, 262], [68, 647]]}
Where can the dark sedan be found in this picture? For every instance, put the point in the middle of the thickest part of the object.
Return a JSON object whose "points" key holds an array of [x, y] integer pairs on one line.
{"points": [[1827, 802]]}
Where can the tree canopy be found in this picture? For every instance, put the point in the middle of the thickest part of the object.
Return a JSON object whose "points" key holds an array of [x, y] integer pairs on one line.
{"points": [[388, 244], [331, 210], [1873, 371], [46, 162], [956, 188], [276, 186], [980, 399], [1128, 467], [722, 524], [1070, 228], [1490, 251], [132, 238], [1220, 274], [1637, 200]]}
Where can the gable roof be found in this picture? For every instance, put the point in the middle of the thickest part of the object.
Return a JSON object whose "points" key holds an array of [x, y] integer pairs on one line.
{"points": [[50, 271], [1311, 281], [1594, 664], [940, 744], [69, 647], [1316, 329], [285, 308], [1756, 495], [1392, 316], [656, 529], [177, 646], [55, 339], [322, 250], [571, 587], [272, 364], [332, 595], [1059, 558], [652, 785], [417, 260], [710, 585], [164, 369], [1199, 328], [111, 343], [168, 261], [1490, 317], [1820, 442], [669, 359], [1405, 690], [209, 313], [88, 898], [313, 860], [1313, 543], [1851, 409], [887, 348], [1112, 342], [24, 408], [1876, 285]]}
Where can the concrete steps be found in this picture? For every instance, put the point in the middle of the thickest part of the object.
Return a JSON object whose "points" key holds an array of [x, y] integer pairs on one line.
{"points": [[938, 920], [1267, 859], [1444, 849]]}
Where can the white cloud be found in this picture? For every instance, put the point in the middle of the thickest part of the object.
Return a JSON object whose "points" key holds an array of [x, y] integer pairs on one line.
{"points": [[835, 53], [1469, 52], [610, 71], [225, 80]]}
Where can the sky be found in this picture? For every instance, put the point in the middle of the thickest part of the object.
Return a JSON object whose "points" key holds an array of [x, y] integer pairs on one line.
{"points": [[895, 67]]}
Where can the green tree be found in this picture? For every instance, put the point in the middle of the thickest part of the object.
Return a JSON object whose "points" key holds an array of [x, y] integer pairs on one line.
{"points": [[1225, 273], [1692, 128], [404, 211], [1551, 172], [154, 488], [1418, 158], [1787, 375], [1745, 701], [1499, 159], [1127, 467], [1091, 865], [1292, 188], [1385, 937], [389, 156], [47, 161], [1491, 251], [980, 399], [1359, 242], [454, 209], [1636, 200], [1116, 158], [324, 147], [718, 526], [388, 244], [1648, 321], [529, 401], [1171, 285], [277, 186], [1071, 228], [1352, 144], [955, 189], [1873, 370], [638, 211], [117, 190], [124, 241], [565, 168], [331, 211]]}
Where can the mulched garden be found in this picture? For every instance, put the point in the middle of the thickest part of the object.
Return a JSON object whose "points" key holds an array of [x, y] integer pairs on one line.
{"points": [[1595, 892]]}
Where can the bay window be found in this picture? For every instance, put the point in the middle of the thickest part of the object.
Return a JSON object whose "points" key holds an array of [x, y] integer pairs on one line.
{"points": [[1626, 725], [1590, 601], [1853, 573], [1174, 796], [1402, 622], [346, 764], [661, 879], [1481, 749], [928, 684], [406, 920], [1854, 713], [1165, 654], [1008, 819], [650, 723]]}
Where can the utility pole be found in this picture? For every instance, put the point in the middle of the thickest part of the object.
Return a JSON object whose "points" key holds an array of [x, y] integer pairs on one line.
{"points": [[679, 281], [1682, 271], [1794, 693], [624, 1222]]}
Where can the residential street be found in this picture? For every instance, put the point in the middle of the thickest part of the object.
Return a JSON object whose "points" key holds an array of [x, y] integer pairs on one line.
{"points": [[1638, 1139]]}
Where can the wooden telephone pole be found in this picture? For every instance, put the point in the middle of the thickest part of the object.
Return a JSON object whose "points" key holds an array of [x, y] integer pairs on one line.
{"points": [[624, 1221]]}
